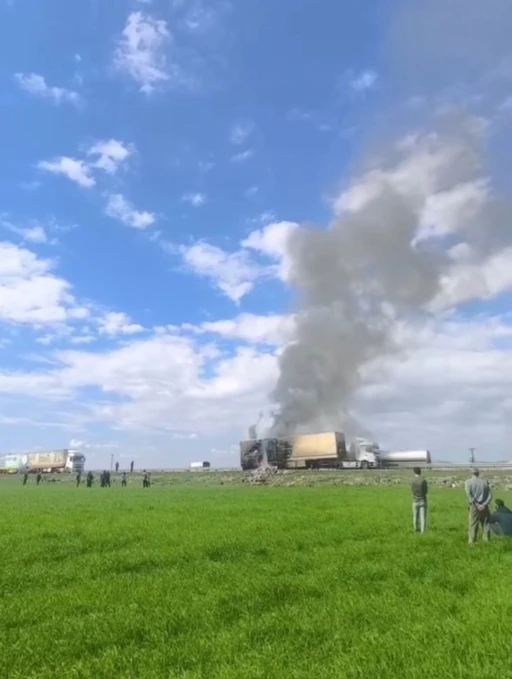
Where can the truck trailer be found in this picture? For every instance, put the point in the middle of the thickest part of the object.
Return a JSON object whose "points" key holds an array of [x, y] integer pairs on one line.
{"points": [[390, 458], [308, 451], [198, 466]]}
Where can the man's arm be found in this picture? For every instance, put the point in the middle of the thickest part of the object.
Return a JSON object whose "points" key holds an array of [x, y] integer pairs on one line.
{"points": [[488, 499], [467, 487], [425, 487]]}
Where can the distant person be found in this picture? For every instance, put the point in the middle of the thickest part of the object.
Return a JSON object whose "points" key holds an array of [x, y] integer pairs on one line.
{"points": [[117, 467], [103, 479], [25, 478], [419, 487], [39, 478], [123, 479], [131, 466], [90, 479], [479, 497], [78, 479], [501, 520], [107, 479], [145, 480]]}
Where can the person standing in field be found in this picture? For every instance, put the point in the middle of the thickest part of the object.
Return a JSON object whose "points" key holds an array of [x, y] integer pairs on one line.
{"points": [[90, 479], [25, 478], [479, 497], [123, 479], [39, 478], [78, 479], [419, 487]]}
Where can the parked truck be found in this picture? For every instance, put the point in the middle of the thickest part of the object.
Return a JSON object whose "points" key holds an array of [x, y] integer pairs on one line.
{"points": [[44, 461], [309, 451], [198, 466]]}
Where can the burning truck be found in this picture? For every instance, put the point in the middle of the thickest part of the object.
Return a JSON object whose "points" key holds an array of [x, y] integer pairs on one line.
{"points": [[323, 450]]}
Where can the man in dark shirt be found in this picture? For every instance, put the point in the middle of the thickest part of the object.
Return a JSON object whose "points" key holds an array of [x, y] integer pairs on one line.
{"points": [[419, 489], [501, 520]]}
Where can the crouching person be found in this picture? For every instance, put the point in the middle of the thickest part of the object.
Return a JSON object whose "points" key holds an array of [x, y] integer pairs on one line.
{"points": [[501, 520]]}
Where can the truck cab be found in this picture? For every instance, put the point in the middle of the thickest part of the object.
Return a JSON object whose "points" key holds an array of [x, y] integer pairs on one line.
{"points": [[365, 453], [75, 461]]}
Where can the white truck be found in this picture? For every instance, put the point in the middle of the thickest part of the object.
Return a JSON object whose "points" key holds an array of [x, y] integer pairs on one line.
{"points": [[44, 461], [198, 466]]}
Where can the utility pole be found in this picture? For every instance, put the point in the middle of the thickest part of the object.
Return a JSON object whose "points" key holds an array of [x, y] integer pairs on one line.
{"points": [[111, 461], [472, 456]]}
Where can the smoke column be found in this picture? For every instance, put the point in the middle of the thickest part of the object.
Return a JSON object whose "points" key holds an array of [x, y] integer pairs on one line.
{"points": [[406, 232]]}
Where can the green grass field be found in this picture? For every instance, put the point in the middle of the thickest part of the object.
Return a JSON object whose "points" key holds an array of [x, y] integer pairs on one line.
{"points": [[247, 582]]}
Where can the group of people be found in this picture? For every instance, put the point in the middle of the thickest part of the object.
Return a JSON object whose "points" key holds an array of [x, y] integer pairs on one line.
{"points": [[106, 479], [479, 496], [39, 478]]}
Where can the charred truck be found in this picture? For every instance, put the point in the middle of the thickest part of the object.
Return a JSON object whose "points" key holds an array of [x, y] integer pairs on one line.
{"points": [[326, 450], [309, 451]]}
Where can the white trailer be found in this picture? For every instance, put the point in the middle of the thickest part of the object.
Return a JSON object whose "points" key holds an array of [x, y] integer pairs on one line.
{"points": [[197, 466]]}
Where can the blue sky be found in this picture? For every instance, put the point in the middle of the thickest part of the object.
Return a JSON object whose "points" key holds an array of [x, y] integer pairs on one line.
{"points": [[155, 154]]}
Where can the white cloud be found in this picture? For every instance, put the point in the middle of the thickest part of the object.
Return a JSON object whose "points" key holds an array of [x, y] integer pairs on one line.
{"points": [[32, 233], [241, 132], [232, 272], [35, 234], [119, 208], [271, 241], [195, 199], [36, 84], [242, 156], [236, 273], [470, 280], [363, 81], [455, 372], [106, 155], [78, 444], [274, 329], [452, 372], [118, 323], [140, 52], [30, 293], [75, 170], [111, 154]]}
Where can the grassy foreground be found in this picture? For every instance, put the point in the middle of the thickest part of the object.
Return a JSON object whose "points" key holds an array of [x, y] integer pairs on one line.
{"points": [[247, 582]]}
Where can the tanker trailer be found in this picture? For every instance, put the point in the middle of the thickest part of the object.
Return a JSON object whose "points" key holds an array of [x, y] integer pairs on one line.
{"points": [[404, 458]]}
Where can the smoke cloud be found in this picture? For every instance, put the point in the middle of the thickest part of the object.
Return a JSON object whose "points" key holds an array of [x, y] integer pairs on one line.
{"points": [[410, 229], [391, 256]]}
